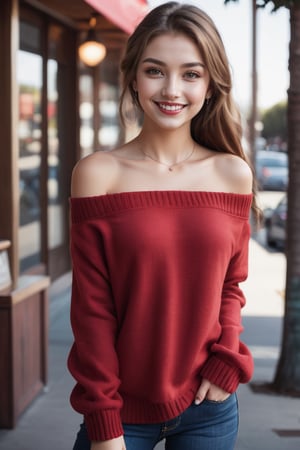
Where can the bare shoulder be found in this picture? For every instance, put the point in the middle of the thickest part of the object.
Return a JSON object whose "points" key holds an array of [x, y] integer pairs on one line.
{"points": [[235, 173], [94, 174]]}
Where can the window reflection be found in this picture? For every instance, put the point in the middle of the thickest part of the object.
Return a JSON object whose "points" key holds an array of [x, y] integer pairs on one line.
{"points": [[30, 81], [86, 113], [109, 132], [55, 208], [99, 117]]}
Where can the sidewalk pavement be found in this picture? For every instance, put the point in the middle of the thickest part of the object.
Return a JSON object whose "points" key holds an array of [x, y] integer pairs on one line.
{"points": [[267, 421]]}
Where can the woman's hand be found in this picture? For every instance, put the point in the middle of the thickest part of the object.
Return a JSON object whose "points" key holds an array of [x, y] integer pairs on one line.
{"points": [[112, 444], [210, 391]]}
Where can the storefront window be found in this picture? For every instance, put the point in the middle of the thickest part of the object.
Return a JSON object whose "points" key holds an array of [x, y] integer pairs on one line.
{"points": [[99, 114], [48, 140], [30, 97]]}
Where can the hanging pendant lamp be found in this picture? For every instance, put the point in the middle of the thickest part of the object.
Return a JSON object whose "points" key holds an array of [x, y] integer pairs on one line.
{"points": [[91, 51]]}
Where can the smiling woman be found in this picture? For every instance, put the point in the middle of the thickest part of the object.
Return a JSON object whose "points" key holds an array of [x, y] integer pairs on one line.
{"points": [[159, 244]]}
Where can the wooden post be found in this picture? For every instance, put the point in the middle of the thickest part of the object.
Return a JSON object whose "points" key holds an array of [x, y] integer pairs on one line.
{"points": [[9, 169]]}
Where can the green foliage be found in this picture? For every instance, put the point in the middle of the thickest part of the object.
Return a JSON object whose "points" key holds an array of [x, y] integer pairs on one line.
{"points": [[274, 120], [276, 3]]}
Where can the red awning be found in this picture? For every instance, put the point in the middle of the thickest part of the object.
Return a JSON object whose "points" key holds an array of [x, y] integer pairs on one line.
{"points": [[125, 14]]}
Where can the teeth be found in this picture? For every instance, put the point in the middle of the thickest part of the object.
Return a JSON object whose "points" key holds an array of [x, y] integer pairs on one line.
{"points": [[170, 107]]}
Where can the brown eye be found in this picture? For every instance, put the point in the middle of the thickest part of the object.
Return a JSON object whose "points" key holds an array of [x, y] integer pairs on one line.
{"points": [[154, 71], [192, 75]]}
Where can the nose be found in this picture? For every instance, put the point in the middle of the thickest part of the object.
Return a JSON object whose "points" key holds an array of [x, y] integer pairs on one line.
{"points": [[171, 88]]}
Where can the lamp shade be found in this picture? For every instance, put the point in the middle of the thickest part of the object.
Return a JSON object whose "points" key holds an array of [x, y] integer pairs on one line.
{"points": [[91, 51]]}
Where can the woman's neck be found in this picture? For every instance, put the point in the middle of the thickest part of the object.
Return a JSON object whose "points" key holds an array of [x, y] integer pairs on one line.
{"points": [[168, 146]]}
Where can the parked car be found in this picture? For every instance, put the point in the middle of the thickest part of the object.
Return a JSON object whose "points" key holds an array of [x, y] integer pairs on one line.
{"points": [[275, 224], [272, 170]]}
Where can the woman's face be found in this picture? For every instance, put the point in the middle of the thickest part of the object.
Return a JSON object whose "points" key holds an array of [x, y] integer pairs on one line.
{"points": [[172, 81]]}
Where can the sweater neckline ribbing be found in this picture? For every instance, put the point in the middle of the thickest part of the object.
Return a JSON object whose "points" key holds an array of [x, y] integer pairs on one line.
{"points": [[83, 208]]}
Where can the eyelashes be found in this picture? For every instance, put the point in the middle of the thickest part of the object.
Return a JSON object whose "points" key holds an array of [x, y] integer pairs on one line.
{"points": [[156, 72], [193, 75], [153, 71]]}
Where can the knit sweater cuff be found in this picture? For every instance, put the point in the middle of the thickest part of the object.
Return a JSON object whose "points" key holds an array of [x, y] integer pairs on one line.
{"points": [[220, 373], [103, 425]]}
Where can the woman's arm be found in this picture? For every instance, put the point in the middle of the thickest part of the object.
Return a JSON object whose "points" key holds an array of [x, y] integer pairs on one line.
{"points": [[230, 361], [93, 361]]}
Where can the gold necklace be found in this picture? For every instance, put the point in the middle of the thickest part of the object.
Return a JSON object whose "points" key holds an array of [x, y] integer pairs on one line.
{"points": [[170, 166]]}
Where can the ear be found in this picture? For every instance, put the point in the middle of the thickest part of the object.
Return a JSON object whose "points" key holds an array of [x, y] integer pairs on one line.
{"points": [[134, 85], [208, 94]]}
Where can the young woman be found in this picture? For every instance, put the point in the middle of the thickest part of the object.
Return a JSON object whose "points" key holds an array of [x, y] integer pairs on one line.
{"points": [[159, 243]]}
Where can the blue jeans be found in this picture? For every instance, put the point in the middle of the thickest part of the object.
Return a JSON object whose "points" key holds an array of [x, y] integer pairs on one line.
{"points": [[208, 426]]}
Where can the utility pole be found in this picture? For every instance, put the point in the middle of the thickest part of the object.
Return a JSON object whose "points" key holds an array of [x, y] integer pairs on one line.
{"points": [[253, 117]]}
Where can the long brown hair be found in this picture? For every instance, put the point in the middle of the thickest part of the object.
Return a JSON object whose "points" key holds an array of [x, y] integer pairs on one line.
{"points": [[217, 126]]}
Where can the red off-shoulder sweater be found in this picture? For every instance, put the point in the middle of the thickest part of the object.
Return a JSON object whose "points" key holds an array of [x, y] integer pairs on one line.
{"points": [[156, 303]]}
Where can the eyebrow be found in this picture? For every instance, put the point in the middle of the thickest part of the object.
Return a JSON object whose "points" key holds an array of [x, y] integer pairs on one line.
{"points": [[161, 63]]}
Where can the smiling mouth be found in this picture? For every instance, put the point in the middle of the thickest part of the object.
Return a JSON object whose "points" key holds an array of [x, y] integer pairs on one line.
{"points": [[172, 107]]}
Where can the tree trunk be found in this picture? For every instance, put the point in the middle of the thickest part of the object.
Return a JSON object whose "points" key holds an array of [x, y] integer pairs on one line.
{"points": [[287, 377]]}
